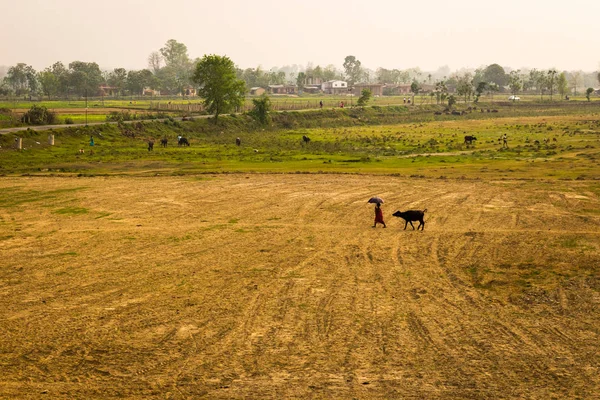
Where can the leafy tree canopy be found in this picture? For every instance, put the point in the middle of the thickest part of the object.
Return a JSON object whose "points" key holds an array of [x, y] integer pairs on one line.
{"points": [[219, 87]]}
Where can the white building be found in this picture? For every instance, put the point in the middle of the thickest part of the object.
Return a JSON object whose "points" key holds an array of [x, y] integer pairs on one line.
{"points": [[334, 87]]}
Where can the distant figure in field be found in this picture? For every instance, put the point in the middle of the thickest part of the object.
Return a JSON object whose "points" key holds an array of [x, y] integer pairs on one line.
{"points": [[164, 141], [341, 104], [150, 145], [378, 216], [91, 141], [504, 141], [321, 104], [405, 100], [238, 141]]}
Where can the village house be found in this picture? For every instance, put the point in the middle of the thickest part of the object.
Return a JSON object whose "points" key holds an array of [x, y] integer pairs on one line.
{"points": [[108, 91], [312, 89], [257, 91], [375, 88], [282, 89], [150, 92], [335, 87], [188, 91]]}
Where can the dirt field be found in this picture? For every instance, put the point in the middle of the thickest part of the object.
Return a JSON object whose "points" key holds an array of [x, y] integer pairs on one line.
{"points": [[276, 286]]}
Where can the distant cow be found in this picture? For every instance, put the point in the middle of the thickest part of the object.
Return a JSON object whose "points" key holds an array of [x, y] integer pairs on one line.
{"points": [[238, 141], [437, 113], [183, 142], [305, 139], [163, 142], [456, 112], [150, 145], [469, 139]]}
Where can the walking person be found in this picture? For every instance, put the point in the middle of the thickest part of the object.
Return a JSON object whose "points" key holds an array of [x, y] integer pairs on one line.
{"points": [[504, 141], [378, 216]]}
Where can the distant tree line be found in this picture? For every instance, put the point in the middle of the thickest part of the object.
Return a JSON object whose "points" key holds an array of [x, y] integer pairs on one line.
{"points": [[170, 71]]}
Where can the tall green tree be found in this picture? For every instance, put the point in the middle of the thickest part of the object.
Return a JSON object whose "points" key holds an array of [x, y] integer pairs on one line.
{"points": [[353, 69], [495, 73], [221, 90], [49, 82], [562, 85], [301, 80], [85, 78], [22, 78], [174, 53], [551, 81], [514, 82], [118, 78], [138, 80], [464, 86]]}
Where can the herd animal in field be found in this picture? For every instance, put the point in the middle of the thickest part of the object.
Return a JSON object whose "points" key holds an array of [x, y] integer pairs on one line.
{"points": [[238, 141], [412, 215], [305, 139], [183, 142], [150, 145], [469, 139], [163, 142]]}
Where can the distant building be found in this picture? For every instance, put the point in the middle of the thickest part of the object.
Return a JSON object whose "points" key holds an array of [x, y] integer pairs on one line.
{"points": [[312, 89], [375, 88], [334, 87], [257, 91], [109, 91], [150, 92], [282, 89], [188, 91]]}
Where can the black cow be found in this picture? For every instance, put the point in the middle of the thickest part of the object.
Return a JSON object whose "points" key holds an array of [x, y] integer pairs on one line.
{"points": [[469, 139], [150, 145], [163, 142], [412, 215], [305, 139], [238, 141], [183, 142]]}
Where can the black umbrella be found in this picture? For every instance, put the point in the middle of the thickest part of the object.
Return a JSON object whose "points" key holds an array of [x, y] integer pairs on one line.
{"points": [[375, 200]]}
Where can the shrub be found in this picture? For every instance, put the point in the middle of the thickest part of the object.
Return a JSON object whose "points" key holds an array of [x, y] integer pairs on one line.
{"points": [[262, 107], [38, 115], [69, 121]]}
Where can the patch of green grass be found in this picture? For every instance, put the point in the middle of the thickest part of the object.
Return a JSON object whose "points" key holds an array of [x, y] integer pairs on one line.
{"points": [[570, 243], [71, 211], [234, 220]]}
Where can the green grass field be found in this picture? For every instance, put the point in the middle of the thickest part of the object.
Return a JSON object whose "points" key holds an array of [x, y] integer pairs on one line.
{"points": [[550, 146]]}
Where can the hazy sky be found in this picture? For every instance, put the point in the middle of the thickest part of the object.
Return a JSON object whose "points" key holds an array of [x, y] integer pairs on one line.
{"points": [[388, 33]]}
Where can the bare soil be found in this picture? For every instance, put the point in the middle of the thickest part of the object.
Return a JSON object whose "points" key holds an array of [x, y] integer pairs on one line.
{"points": [[276, 286]]}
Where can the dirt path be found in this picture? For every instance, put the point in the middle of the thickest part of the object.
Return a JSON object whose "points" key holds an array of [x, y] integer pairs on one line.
{"points": [[267, 286]]}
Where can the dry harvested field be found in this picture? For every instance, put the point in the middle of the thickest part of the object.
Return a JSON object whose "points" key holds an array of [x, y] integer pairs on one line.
{"points": [[276, 286]]}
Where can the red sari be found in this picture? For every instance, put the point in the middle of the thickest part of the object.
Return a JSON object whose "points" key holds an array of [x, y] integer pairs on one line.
{"points": [[379, 216]]}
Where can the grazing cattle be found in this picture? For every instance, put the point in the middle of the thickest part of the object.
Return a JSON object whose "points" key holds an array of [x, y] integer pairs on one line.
{"points": [[494, 111], [150, 145], [183, 142], [469, 139], [411, 215], [456, 112], [437, 113], [305, 139], [163, 142], [238, 141]]}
